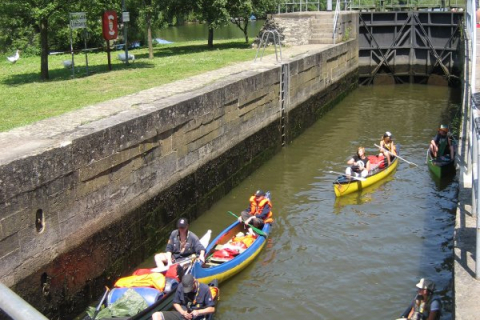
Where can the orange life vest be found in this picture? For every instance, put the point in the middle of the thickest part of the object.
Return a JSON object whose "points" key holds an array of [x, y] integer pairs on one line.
{"points": [[257, 208]]}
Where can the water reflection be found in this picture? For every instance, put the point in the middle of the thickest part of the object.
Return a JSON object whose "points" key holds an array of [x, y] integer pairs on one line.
{"points": [[199, 31], [364, 196]]}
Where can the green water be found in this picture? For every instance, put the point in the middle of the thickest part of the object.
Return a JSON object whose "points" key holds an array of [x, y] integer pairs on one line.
{"points": [[199, 31]]}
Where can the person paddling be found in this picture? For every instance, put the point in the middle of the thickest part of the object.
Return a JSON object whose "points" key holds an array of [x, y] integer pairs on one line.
{"points": [[359, 165], [259, 212], [387, 147]]}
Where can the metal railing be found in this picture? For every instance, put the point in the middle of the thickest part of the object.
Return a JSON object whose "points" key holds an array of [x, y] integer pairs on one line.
{"points": [[298, 6], [276, 40], [471, 132], [335, 20], [16, 307], [392, 5]]}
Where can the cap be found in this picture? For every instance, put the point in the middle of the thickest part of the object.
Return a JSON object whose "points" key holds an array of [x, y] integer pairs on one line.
{"points": [[387, 134], [426, 284], [443, 127], [259, 193], [187, 282], [182, 223]]}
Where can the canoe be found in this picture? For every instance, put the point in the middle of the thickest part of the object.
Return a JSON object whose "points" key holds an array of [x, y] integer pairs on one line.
{"points": [[157, 300], [221, 269], [167, 305], [344, 185], [440, 166]]}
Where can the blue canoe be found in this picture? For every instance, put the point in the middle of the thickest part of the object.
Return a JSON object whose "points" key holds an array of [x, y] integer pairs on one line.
{"points": [[222, 270]]}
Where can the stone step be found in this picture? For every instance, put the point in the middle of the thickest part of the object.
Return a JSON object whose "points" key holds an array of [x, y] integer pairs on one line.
{"points": [[320, 41], [322, 29], [321, 34]]}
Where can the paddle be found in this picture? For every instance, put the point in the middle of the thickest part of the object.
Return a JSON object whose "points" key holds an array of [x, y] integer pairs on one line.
{"points": [[352, 177], [376, 145], [97, 310], [260, 232]]}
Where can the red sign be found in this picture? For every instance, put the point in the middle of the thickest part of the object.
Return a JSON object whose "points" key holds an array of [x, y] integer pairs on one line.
{"points": [[110, 25]]}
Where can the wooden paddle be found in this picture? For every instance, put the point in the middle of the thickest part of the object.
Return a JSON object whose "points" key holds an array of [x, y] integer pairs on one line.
{"points": [[376, 145], [260, 232], [352, 177], [97, 310]]}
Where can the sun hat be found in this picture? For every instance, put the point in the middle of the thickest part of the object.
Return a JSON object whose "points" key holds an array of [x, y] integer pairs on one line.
{"points": [[426, 284], [443, 127], [182, 223], [188, 281]]}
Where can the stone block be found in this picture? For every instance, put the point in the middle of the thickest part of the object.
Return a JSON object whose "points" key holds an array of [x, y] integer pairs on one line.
{"points": [[87, 187], [9, 244], [26, 174], [9, 262], [16, 221]]}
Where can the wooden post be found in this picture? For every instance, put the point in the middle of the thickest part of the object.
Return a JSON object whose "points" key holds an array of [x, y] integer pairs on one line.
{"points": [[108, 55]]}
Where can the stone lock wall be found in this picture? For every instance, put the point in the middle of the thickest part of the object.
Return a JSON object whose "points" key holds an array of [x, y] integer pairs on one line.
{"points": [[301, 28], [83, 200]]}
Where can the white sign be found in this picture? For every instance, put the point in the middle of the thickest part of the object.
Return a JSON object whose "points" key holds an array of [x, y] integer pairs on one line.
{"points": [[125, 16], [78, 20]]}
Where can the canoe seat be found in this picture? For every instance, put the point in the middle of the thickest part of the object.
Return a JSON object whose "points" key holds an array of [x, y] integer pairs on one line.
{"points": [[218, 260], [212, 264]]}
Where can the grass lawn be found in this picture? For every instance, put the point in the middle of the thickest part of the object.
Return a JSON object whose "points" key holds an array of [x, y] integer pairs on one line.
{"points": [[25, 99]]}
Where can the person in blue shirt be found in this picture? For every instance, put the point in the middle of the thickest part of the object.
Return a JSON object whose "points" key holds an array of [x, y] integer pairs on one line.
{"points": [[181, 244], [425, 306], [193, 301]]}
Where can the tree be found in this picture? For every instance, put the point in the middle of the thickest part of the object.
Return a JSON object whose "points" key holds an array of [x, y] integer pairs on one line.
{"points": [[213, 12], [36, 14], [241, 10]]}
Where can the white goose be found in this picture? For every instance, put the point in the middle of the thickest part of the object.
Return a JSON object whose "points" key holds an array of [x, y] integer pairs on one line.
{"points": [[121, 57], [14, 58]]}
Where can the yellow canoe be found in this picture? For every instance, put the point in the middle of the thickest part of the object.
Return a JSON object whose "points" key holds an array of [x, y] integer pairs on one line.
{"points": [[344, 185]]}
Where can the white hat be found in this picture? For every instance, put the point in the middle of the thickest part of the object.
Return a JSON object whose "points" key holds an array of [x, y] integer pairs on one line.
{"points": [[426, 284]]}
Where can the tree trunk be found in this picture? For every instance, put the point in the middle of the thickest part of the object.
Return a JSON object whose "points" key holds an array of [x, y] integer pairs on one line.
{"points": [[149, 36], [210, 37], [245, 29], [44, 47]]}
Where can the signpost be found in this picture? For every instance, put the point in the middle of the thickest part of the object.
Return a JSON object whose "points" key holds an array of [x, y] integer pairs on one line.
{"points": [[78, 20], [110, 31]]}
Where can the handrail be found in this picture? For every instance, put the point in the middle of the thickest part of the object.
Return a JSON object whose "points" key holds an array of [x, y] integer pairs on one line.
{"points": [[264, 41], [16, 307], [335, 19], [472, 128]]}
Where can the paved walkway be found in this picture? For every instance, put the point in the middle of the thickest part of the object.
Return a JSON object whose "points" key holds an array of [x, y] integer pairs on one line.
{"points": [[466, 287]]}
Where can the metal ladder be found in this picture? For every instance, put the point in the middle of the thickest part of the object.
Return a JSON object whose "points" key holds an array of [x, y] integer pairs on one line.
{"points": [[284, 99], [264, 40]]}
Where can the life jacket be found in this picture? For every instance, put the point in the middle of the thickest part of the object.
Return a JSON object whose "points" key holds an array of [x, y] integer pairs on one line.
{"points": [[154, 280], [388, 146], [245, 240], [421, 310], [256, 209]]}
